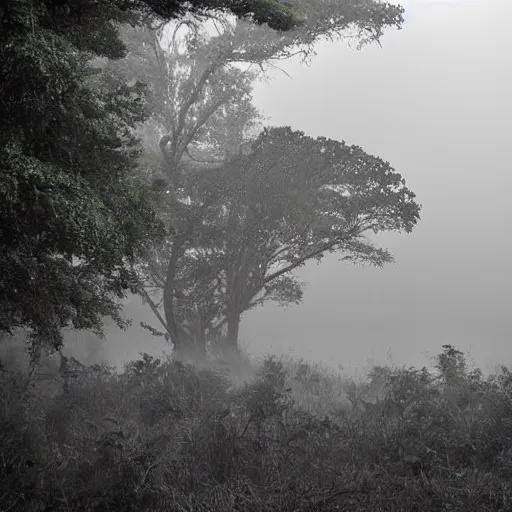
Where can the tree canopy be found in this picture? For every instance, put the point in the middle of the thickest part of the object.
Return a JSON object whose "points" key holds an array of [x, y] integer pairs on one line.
{"points": [[261, 216], [74, 211]]}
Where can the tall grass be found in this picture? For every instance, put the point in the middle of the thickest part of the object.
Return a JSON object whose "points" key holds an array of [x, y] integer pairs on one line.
{"points": [[282, 435]]}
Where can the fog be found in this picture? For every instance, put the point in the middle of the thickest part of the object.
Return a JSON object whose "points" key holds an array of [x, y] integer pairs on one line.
{"points": [[435, 102]]}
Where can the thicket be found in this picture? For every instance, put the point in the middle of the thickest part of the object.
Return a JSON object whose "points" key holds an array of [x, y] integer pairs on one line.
{"points": [[162, 435]]}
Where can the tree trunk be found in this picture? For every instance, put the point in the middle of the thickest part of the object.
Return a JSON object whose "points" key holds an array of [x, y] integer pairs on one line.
{"points": [[233, 327], [170, 317], [235, 277], [187, 345], [198, 339]]}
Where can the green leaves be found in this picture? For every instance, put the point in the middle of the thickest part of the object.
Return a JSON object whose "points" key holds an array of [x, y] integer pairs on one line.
{"points": [[68, 211], [278, 15], [72, 211]]}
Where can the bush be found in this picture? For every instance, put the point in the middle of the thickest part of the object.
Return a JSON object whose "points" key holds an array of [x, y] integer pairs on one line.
{"points": [[162, 435]]}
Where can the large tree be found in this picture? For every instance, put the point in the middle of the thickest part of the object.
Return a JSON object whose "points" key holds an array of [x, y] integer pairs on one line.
{"points": [[264, 215], [73, 210], [200, 77]]}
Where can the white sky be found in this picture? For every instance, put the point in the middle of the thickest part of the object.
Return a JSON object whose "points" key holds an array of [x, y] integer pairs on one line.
{"points": [[435, 101]]}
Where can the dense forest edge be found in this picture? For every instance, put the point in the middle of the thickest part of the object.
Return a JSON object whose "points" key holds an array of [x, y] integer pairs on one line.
{"points": [[277, 435]]}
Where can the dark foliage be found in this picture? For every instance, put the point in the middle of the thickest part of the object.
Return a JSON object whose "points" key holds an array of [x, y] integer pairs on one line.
{"points": [[73, 211], [167, 436]]}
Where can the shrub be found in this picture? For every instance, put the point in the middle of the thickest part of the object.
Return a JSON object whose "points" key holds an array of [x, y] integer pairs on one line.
{"points": [[162, 435]]}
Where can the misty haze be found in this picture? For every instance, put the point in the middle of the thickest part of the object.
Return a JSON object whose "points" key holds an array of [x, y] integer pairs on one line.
{"points": [[434, 102], [255, 255]]}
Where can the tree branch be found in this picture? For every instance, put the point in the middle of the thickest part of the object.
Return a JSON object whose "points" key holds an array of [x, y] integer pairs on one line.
{"points": [[154, 308], [193, 98], [163, 147], [211, 161], [305, 258], [200, 123]]}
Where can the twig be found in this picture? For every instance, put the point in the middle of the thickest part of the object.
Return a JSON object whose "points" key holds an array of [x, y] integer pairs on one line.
{"points": [[246, 427], [146, 474], [15, 502]]}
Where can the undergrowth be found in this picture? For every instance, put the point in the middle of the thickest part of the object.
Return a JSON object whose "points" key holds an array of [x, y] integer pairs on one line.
{"points": [[164, 436]]}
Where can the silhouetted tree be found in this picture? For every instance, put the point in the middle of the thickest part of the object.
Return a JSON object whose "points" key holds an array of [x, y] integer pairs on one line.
{"points": [[264, 215]]}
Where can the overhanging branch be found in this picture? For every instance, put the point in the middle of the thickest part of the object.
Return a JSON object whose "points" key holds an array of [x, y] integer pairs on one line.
{"points": [[154, 308]]}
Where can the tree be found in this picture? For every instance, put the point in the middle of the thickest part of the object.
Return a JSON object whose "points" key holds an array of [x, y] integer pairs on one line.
{"points": [[73, 210], [196, 116], [298, 199], [197, 84], [292, 200]]}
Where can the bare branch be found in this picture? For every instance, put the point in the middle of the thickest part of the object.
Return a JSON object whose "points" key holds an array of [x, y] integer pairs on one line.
{"points": [[154, 308]]}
